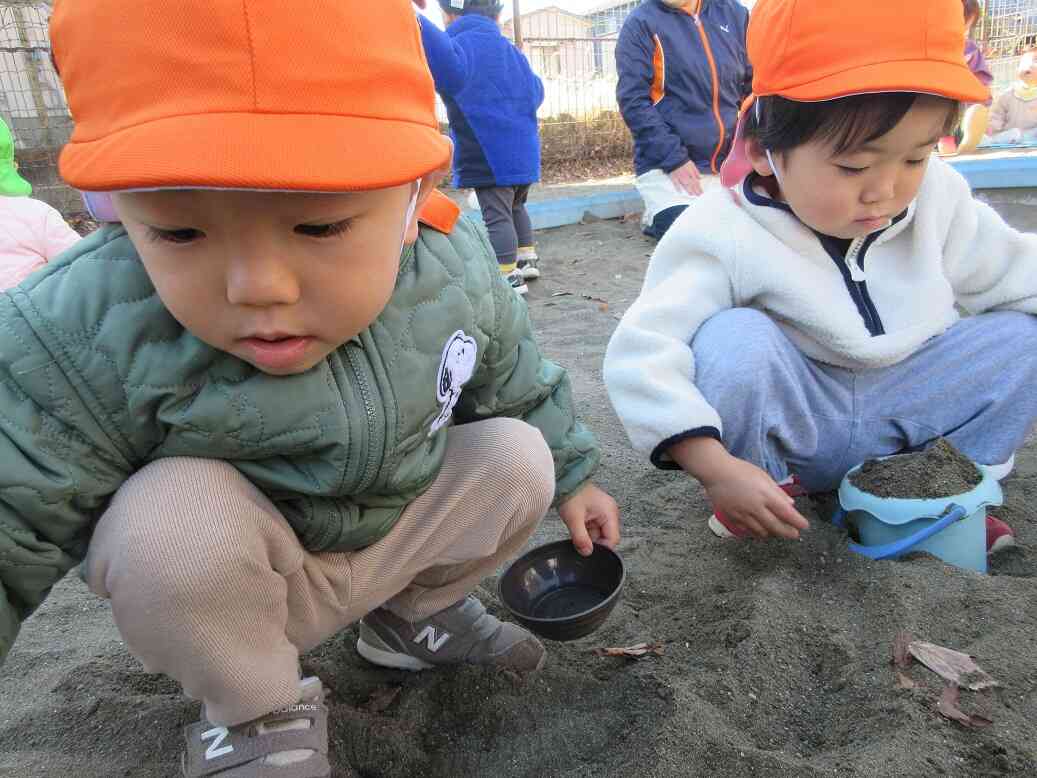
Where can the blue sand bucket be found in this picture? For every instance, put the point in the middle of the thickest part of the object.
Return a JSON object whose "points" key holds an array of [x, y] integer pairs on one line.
{"points": [[952, 528]]}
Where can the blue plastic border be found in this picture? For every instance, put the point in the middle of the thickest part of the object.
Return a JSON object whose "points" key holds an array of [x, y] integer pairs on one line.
{"points": [[998, 172], [570, 210]]}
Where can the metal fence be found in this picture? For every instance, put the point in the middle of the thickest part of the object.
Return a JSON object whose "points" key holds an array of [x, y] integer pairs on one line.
{"points": [[1007, 29], [582, 132], [32, 101]]}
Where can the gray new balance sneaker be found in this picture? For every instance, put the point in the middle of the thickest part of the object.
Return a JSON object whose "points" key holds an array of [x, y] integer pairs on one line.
{"points": [[462, 633]]}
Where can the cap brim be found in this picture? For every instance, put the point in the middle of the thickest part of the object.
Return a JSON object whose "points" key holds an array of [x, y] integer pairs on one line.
{"points": [[317, 153], [945, 79]]}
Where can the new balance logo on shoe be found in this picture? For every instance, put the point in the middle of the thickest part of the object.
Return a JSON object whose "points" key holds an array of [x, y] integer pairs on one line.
{"points": [[218, 734], [725, 29], [433, 641]]}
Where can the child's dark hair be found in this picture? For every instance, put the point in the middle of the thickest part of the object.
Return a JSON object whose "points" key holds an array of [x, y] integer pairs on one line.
{"points": [[973, 10], [780, 124], [489, 8]]}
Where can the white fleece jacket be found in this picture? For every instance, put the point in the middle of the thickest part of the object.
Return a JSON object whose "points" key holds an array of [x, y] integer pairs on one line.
{"points": [[726, 252]]}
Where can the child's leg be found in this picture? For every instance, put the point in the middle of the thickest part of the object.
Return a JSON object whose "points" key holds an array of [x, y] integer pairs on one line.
{"points": [[781, 411], [527, 254], [497, 204], [973, 127], [209, 584], [973, 385]]}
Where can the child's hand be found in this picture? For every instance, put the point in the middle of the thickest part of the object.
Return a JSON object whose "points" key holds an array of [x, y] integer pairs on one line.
{"points": [[749, 496], [740, 490], [592, 516]]}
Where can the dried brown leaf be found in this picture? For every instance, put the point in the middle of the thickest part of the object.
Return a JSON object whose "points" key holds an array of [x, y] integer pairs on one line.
{"points": [[637, 651], [951, 665], [947, 706], [901, 657]]}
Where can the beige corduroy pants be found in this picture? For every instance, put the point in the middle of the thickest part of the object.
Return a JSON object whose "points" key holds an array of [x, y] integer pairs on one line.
{"points": [[209, 584]]}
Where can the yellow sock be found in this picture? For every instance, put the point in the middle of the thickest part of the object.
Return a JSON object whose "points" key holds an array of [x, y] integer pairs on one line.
{"points": [[505, 269]]}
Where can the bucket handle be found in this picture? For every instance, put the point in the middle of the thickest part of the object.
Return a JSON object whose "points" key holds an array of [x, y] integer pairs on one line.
{"points": [[897, 547]]}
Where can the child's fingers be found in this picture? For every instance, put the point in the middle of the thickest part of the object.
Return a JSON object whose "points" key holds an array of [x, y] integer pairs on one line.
{"points": [[773, 525], [609, 532], [581, 538], [785, 510]]}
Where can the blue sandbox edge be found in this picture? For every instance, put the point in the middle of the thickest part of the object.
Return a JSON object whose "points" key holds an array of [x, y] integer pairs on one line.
{"points": [[570, 210], [998, 172]]}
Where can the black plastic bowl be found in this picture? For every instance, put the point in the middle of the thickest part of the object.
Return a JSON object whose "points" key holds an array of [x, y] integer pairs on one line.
{"points": [[560, 595]]}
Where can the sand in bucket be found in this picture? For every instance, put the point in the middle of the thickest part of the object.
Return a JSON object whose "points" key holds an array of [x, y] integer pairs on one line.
{"points": [[939, 471], [932, 501]]}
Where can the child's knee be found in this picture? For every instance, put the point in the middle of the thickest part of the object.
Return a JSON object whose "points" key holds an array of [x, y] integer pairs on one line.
{"points": [[179, 524], [736, 347], [522, 460], [749, 333]]}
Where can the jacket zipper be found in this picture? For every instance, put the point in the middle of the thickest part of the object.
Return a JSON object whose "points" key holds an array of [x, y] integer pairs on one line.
{"points": [[374, 441], [859, 281], [716, 91]]}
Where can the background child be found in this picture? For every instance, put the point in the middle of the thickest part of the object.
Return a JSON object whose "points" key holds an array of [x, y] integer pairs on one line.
{"points": [[491, 96], [974, 122], [237, 402], [31, 232], [1013, 119], [806, 321]]}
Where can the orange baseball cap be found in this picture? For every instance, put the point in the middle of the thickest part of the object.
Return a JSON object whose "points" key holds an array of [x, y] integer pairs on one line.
{"points": [[812, 51], [823, 50], [309, 95]]}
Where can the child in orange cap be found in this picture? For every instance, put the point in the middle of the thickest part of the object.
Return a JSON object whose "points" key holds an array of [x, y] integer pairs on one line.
{"points": [[289, 389], [807, 320]]}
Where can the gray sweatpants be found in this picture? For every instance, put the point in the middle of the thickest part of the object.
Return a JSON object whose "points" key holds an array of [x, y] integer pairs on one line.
{"points": [[976, 385], [504, 214]]}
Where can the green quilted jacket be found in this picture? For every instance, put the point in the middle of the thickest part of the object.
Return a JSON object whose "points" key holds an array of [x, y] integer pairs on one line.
{"points": [[97, 379]]}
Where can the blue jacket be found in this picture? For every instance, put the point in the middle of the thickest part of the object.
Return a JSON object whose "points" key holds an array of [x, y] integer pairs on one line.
{"points": [[683, 73], [491, 96]]}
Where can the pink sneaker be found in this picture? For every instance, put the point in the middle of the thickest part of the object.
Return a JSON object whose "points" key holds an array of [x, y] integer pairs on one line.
{"points": [[999, 535], [723, 527]]}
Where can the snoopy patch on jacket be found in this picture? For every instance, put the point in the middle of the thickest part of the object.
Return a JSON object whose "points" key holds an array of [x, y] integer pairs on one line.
{"points": [[455, 369]]}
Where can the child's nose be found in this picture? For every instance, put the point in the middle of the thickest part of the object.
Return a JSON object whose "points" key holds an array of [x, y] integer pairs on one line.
{"points": [[261, 282]]}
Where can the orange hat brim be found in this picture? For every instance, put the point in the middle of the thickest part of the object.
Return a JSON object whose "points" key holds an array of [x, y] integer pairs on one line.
{"points": [[945, 79], [294, 152]]}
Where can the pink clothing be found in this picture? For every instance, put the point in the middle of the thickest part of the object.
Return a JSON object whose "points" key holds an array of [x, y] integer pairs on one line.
{"points": [[31, 234]]}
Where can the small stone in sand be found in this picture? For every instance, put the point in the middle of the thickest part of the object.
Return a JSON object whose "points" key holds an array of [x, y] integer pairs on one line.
{"points": [[939, 471]]}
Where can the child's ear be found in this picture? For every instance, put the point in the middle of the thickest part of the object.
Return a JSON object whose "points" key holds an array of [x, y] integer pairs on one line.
{"points": [[426, 186], [758, 157]]}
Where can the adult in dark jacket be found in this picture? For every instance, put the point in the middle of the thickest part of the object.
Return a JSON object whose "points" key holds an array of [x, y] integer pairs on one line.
{"points": [[683, 73], [491, 96]]}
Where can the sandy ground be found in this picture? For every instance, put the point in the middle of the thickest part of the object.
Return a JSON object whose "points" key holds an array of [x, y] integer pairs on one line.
{"points": [[777, 654]]}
